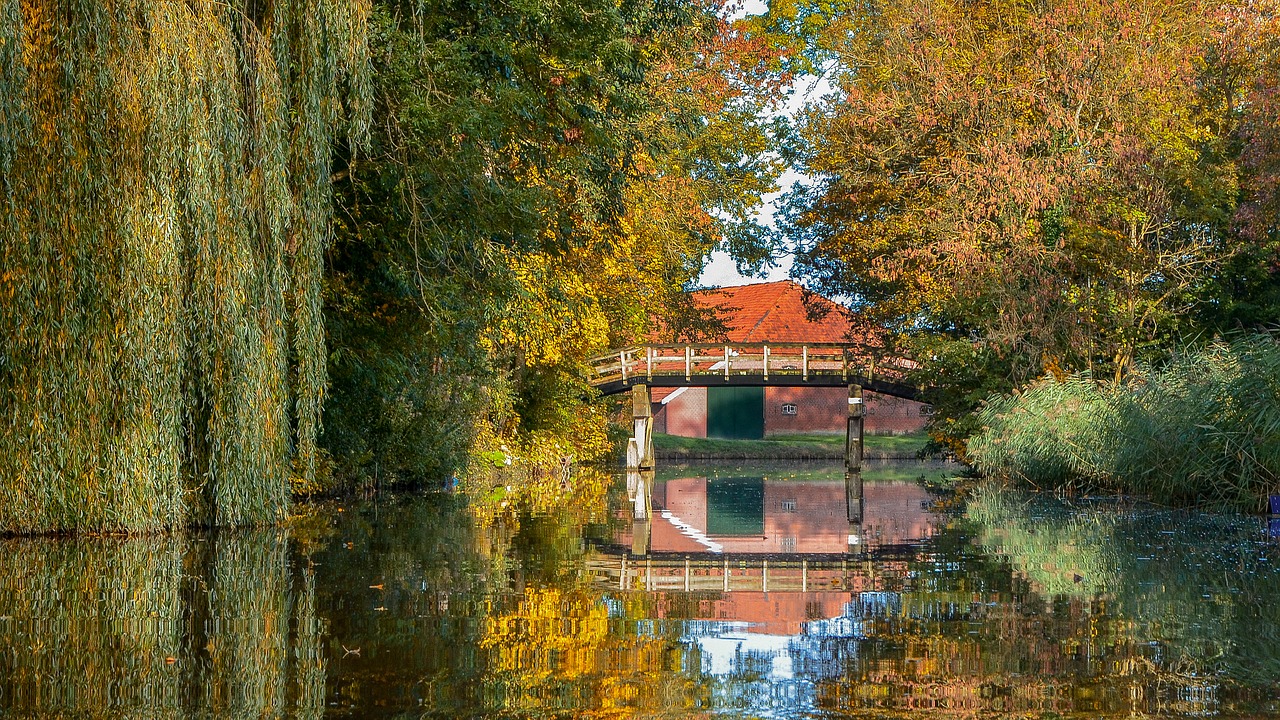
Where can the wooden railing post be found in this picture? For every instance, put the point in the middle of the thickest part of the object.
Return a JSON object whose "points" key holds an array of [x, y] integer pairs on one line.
{"points": [[688, 363], [622, 360], [648, 363], [726, 362], [805, 362], [766, 363]]}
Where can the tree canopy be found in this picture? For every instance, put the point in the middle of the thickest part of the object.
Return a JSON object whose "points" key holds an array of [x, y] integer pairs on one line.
{"points": [[543, 181], [1057, 184]]}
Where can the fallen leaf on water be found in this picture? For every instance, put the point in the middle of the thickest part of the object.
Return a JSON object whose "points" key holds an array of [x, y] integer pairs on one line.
{"points": [[376, 587]]}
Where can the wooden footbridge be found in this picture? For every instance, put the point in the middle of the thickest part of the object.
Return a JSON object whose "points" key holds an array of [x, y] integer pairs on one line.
{"points": [[754, 364], [750, 364]]}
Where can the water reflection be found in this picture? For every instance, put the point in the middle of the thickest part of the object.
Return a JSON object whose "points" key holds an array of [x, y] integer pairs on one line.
{"points": [[771, 514], [220, 625], [410, 608]]}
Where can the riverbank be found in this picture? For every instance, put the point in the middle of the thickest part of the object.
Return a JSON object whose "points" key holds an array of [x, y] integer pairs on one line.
{"points": [[827, 446]]}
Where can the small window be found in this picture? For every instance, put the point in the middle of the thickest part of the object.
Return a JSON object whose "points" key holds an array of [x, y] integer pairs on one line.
{"points": [[788, 545], [788, 506], [788, 409], [926, 410]]}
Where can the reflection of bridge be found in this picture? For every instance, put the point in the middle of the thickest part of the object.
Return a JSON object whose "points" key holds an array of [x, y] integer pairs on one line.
{"points": [[753, 364], [747, 573]]}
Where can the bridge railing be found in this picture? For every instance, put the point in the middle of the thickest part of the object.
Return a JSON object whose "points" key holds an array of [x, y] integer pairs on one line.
{"points": [[727, 360]]}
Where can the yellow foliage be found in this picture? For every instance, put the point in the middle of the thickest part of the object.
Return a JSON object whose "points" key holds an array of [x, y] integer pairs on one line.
{"points": [[554, 633]]}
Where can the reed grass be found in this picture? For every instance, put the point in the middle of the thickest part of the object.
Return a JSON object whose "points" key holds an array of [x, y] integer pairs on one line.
{"points": [[1203, 430]]}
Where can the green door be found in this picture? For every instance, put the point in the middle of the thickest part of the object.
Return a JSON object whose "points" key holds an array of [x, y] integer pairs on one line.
{"points": [[735, 413]]}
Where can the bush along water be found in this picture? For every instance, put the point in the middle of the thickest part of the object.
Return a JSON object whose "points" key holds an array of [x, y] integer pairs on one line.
{"points": [[1202, 430]]}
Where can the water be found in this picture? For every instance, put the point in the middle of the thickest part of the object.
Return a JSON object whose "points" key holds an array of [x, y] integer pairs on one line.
{"points": [[407, 607]]}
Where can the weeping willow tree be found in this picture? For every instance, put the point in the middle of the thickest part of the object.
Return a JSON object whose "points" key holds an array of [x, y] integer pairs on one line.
{"points": [[165, 202]]}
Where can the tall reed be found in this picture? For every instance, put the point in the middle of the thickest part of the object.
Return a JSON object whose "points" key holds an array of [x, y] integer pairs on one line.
{"points": [[1202, 430]]}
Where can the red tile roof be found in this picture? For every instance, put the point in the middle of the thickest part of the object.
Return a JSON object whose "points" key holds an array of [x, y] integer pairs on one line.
{"points": [[776, 312]]}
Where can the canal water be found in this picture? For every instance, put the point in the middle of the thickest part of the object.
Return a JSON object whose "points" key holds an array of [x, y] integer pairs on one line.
{"points": [[747, 594]]}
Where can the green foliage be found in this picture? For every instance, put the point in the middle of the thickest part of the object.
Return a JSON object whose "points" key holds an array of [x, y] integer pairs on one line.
{"points": [[1205, 429], [164, 209], [542, 183]]}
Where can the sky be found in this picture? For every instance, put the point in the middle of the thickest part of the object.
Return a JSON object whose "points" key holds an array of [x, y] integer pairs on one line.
{"points": [[720, 271]]}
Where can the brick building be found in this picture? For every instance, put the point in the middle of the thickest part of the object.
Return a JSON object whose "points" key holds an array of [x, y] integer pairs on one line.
{"points": [[776, 312]]}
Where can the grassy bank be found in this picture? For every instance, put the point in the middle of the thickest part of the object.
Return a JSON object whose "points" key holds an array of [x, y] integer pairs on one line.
{"points": [[1203, 430], [828, 446]]}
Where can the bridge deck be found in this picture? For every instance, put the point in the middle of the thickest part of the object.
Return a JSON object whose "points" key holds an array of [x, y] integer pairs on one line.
{"points": [[753, 364]]}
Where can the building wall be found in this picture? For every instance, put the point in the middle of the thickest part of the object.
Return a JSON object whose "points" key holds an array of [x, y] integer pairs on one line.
{"points": [[683, 414], [888, 415], [827, 410], [817, 410]]}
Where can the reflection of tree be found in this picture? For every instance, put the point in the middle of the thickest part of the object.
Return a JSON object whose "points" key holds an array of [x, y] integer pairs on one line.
{"points": [[1179, 601], [414, 607], [489, 618], [574, 649], [158, 626]]}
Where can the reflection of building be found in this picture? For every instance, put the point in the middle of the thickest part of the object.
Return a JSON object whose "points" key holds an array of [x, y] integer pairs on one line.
{"points": [[759, 515], [764, 562], [775, 312]]}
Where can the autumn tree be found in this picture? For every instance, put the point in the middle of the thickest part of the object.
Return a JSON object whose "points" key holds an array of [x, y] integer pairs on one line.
{"points": [[164, 209], [1246, 293], [541, 182], [1052, 183]]}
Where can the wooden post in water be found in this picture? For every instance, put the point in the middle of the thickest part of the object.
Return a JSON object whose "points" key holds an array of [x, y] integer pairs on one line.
{"points": [[633, 470], [641, 531], [642, 517], [642, 413], [853, 457]]}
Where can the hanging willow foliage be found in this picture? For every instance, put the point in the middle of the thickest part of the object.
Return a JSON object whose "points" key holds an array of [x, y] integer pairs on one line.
{"points": [[164, 207]]}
